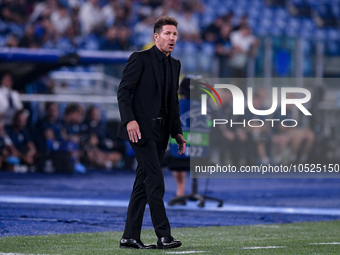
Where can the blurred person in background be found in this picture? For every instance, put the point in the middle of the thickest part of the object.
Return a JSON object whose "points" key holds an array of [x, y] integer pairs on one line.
{"points": [[242, 22], [50, 127], [188, 24], [244, 46], [124, 42], [12, 41], [109, 12], [168, 8], [91, 17], [72, 122], [143, 36], [46, 33], [292, 144], [15, 11], [8, 154], [61, 19], [213, 29], [21, 138], [110, 39], [29, 39], [100, 151], [145, 8], [117, 38], [227, 141], [258, 138], [223, 49], [123, 13], [42, 9], [180, 164], [10, 101]]}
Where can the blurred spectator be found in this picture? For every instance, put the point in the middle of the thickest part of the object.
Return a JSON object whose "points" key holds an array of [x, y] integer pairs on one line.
{"points": [[15, 11], [99, 150], [143, 32], [91, 17], [212, 31], [188, 25], [10, 100], [292, 144], [223, 50], [244, 45], [123, 13], [42, 9], [28, 40], [61, 19], [110, 39], [227, 140], [258, 138], [168, 8], [8, 153], [73, 118], [72, 121], [243, 22], [46, 33], [179, 165], [21, 138], [302, 140], [109, 13], [50, 127], [6, 13], [117, 38], [145, 9], [94, 124], [123, 39], [12, 41], [70, 40]]}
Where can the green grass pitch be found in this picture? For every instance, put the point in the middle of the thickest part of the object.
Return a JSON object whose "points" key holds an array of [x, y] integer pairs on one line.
{"points": [[298, 238]]}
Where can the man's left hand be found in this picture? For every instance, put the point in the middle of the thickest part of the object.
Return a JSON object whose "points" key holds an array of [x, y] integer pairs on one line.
{"points": [[181, 144]]}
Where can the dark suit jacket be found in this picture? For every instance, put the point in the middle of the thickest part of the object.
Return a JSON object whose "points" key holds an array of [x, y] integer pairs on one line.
{"points": [[139, 95]]}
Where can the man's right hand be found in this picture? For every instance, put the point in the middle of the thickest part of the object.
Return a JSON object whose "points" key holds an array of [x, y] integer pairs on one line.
{"points": [[133, 131]]}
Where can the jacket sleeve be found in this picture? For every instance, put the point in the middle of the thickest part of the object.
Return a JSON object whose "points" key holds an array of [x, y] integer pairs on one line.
{"points": [[130, 78], [176, 124]]}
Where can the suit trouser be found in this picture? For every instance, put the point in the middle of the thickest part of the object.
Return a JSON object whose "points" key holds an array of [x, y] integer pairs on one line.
{"points": [[148, 187]]}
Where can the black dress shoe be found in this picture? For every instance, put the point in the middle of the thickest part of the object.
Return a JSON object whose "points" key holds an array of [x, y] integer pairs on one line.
{"points": [[168, 242], [135, 244]]}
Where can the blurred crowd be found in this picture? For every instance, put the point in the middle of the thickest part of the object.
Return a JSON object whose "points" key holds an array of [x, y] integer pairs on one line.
{"points": [[72, 141], [69, 25], [80, 139], [80, 134]]}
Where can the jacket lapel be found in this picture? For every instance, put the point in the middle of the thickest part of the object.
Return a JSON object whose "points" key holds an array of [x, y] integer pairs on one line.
{"points": [[155, 68], [174, 73]]}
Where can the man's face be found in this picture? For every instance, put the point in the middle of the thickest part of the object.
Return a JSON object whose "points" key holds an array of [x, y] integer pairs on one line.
{"points": [[166, 39], [53, 111], [7, 81]]}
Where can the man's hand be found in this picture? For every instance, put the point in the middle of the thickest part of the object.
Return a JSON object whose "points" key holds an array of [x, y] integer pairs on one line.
{"points": [[181, 144], [133, 131]]}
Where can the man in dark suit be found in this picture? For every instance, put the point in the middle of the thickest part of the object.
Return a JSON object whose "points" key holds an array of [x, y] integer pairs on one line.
{"points": [[148, 105]]}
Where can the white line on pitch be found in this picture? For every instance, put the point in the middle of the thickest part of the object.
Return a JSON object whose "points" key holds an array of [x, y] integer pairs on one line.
{"points": [[324, 243], [266, 247], [190, 205], [1, 253], [184, 252], [63, 201]]}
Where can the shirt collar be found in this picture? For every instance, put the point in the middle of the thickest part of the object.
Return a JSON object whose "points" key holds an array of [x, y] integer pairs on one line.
{"points": [[7, 90], [160, 55]]}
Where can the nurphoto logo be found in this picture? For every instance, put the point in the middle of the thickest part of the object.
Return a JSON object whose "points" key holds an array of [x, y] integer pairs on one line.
{"points": [[239, 104]]}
